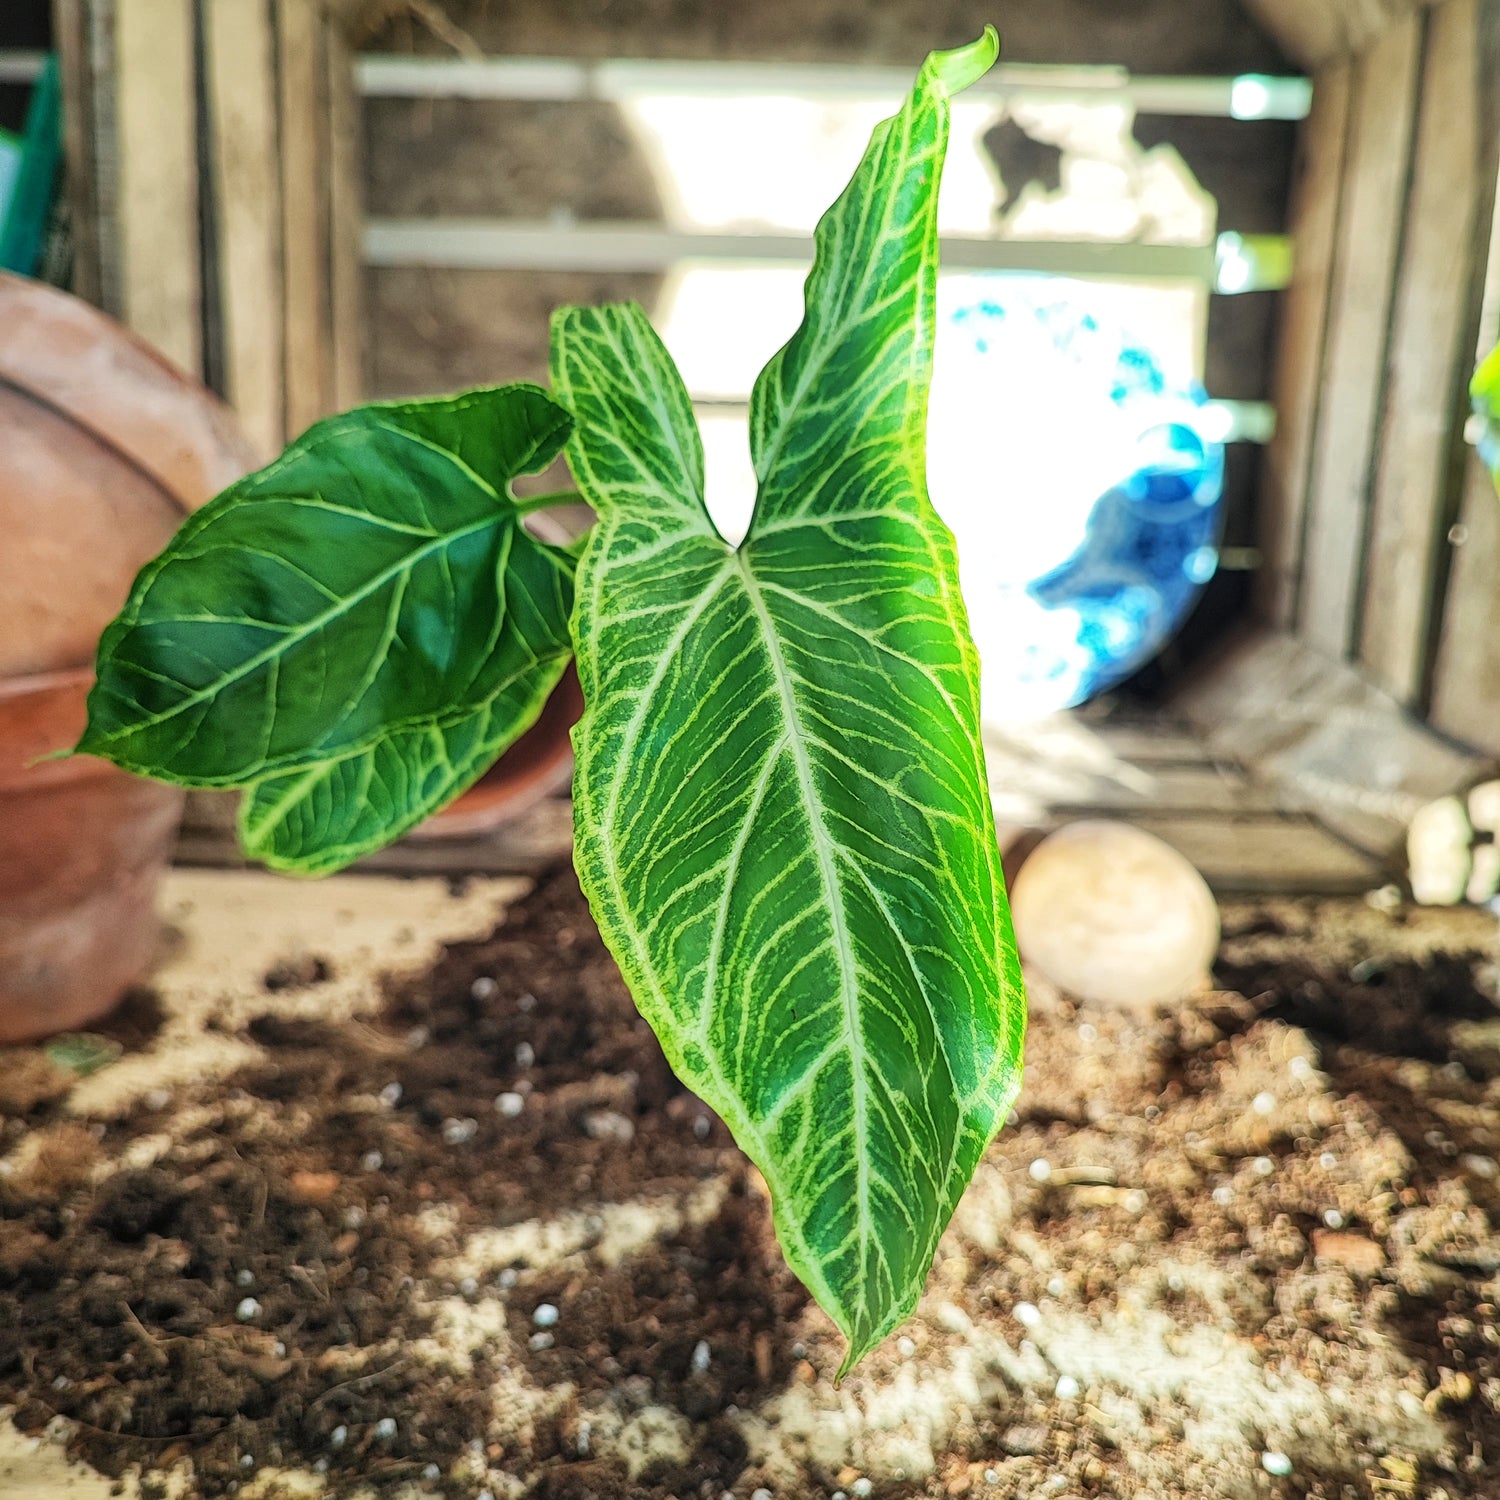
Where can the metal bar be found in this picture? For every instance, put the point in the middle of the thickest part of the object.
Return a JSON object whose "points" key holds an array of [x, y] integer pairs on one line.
{"points": [[515, 245], [1242, 421], [1222, 421], [21, 67], [1250, 96]]}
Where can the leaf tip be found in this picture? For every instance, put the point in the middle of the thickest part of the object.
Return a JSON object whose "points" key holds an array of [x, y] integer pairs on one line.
{"points": [[66, 753], [956, 69]]}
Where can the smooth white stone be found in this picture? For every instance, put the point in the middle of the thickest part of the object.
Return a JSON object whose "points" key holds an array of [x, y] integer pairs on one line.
{"points": [[1437, 853], [1484, 878], [1484, 806], [1112, 914]]}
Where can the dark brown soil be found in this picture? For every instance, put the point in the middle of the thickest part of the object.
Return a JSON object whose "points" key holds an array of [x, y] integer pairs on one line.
{"points": [[1301, 1166], [123, 1307]]}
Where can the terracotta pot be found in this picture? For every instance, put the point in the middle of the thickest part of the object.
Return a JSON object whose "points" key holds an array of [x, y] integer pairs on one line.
{"points": [[81, 846], [106, 447]]}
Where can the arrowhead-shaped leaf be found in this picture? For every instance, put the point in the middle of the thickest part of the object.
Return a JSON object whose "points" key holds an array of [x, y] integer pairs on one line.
{"points": [[782, 820], [356, 631]]}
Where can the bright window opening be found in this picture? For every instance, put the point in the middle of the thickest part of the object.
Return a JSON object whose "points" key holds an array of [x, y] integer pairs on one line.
{"points": [[1034, 444]]}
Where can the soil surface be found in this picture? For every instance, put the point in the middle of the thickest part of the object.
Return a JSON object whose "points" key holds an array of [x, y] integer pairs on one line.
{"points": [[469, 1235]]}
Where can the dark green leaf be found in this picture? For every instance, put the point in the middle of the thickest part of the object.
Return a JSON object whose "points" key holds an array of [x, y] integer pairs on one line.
{"points": [[360, 627], [782, 816]]}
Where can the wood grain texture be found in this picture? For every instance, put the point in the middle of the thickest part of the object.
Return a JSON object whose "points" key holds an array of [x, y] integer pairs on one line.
{"points": [[156, 135], [346, 222], [1368, 243], [1315, 32], [1299, 360], [303, 98], [1267, 853], [241, 78], [1431, 354], [100, 39], [1466, 684], [1464, 690], [1325, 738], [70, 30]]}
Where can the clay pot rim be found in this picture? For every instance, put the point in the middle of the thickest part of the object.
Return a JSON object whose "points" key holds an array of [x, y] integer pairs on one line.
{"points": [[205, 451]]}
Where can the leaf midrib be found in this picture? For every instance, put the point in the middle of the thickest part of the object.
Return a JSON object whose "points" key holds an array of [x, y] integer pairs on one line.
{"points": [[796, 746]]}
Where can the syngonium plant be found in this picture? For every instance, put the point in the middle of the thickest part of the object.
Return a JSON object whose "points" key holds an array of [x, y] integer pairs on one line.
{"points": [[782, 817]]}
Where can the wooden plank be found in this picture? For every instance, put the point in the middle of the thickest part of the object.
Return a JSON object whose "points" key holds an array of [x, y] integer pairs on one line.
{"points": [[156, 129], [1031, 783], [1243, 854], [1464, 693], [465, 74], [1299, 359], [1314, 32], [1325, 739], [539, 840], [1183, 789], [240, 53], [346, 226], [1466, 683], [1151, 744], [70, 26], [1431, 355], [1290, 855], [1249, 699], [101, 70], [1369, 232], [472, 243], [305, 145]]}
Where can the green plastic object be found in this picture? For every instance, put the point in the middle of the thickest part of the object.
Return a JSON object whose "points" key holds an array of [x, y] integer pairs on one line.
{"points": [[1484, 391], [28, 172]]}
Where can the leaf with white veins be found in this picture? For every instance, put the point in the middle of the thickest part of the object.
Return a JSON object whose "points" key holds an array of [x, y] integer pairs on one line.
{"points": [[782, 817]]}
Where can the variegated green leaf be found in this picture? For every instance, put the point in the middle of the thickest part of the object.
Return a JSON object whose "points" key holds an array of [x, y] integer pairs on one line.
{"points": [[319, 818], [355, 631], [782, 820]]}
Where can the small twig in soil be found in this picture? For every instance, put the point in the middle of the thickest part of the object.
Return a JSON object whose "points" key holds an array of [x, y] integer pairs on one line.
{"points": [[147, 1337], [310, 1282], [357, 1383]]}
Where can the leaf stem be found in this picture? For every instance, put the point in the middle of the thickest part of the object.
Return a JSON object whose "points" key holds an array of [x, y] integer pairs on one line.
{"points": [[530, 503]]}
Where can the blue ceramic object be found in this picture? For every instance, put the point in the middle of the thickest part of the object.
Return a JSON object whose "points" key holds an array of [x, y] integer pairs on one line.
{"points": [[1095, 524]]}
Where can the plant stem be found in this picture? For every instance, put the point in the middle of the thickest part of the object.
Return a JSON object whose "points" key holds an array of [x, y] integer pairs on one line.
{"points": [[547, 502]]}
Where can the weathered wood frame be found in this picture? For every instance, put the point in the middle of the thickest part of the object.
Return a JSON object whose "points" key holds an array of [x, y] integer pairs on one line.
{"points": [[215, 163], [1373, 681], [214, 169]]}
